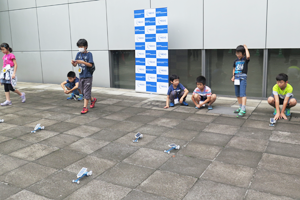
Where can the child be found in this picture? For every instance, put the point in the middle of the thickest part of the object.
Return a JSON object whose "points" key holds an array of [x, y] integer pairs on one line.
{"points": [[8, 74], [239, 77], [177, 92], [71, 86], [282, 95], [202, 94], [84, 60]]}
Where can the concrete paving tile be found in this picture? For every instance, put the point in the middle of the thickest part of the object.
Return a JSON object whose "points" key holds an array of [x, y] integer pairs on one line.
{"points": [[258, 124], [61, 127], [60, 116], [248, 144], [97, 189], [222, 129], [97, 165], [281, 164], [152, 129], [234, 175], [186, 166], [185, 109], [285, 137], [26, 195], [229, 121], [38, 136], [287, 127], [283, 149], [277, 183], [190, 125], [3, 138], [239, 157], [198, 150], [148, 158], [33, 152], [166, 122], [22, 120], [87, 145], [27, 175], [43, 122], [126, 175], [141, 118], [126, 103], [83, 131], [119, 116], [62, 185], [60, 159], [177, 115], [113, 108], [204, 190], [126, 125], [8, 163], [82, 119], [5, 126], [7, 190], [181, 134], [60, 140], [161, 143], [115, 151], [109, 101], [168, 184], [213, 139], [102, 123], [16, 131], [137, 195], [133, 110], [264, 118], [254, 133], [155, 113], [256, 195], [128, 139], [12, 145], [108, 134], [201, 118], [222, 109]]}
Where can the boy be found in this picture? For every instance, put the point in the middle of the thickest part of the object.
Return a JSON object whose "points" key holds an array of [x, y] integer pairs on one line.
{"points": [[71, 86], [177, 92], [202, 94], [282, 95], [84, 60], [239, 77]]}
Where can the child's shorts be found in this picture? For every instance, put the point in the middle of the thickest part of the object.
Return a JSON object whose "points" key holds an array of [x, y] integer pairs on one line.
{"points": [[85, 85], [282, 100], [240, 90]]}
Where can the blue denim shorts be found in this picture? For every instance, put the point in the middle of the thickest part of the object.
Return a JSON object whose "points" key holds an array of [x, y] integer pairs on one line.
{"points": [[240, 90], [68, 85]]}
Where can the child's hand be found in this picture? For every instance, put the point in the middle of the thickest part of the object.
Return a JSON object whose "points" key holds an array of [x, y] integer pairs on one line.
{"points": [[282, 115], [198, 105], [166, 107], [181, 100], [245, 46], [66, 92], [13, 76], [232, 79], [79, 61], [277, 116]]}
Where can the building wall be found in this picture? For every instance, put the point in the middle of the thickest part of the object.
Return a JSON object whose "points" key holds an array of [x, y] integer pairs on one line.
{"points": [[43, 33]]}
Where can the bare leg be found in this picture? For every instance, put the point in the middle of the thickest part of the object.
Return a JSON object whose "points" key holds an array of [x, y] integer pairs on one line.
{"points": [[239, 100], [7, 95], [292, 103], [244, 100], [18, 92], [85, 103], [271, 101], [213, 99]]}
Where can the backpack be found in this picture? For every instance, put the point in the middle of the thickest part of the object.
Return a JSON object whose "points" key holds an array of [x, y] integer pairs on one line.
{"points": [[92, 69]]}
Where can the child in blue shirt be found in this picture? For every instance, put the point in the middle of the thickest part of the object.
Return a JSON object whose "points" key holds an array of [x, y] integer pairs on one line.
{"points": [[72, 86], [85, 62], [177, 93]]}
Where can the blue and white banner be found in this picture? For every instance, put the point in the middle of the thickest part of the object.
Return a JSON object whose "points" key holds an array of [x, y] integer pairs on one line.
{"points": [[151, 50]]}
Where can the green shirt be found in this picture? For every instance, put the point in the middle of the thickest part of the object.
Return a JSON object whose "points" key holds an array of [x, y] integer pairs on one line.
{"points": [[287, 92]]}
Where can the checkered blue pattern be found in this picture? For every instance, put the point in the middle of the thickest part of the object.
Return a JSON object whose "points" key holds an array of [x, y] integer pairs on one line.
{"points": [[151, 50]]}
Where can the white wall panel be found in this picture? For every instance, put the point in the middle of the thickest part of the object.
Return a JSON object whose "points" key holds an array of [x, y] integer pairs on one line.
{"points": [[120, 16], [90, 26], [5, 35], [3, 5], [54, 27], [74, 1], [50, 2], [283, 24], [29, 66], [101, 76], [185, 19], [24, 30], [19, 4], [56, 66], [232, 22]]}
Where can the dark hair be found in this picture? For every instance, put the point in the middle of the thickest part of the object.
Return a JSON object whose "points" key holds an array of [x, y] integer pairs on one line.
{"points": [[6, 46], [71, 74], [294, 62], [82, 43], [282, 77], [173, 77], [241, 49], [201, 79]]}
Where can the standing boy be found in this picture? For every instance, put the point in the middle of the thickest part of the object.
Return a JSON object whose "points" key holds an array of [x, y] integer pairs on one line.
{"points": [[282, 95], [84, 60], [239, 77], [177, 92]]}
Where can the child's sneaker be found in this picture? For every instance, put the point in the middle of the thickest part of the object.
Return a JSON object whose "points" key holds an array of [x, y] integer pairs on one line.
{"points": [[93, 103], [185, 103], [237, 111], [209, 107], [80, 98], [84, 110], [23, 98], [71, 97], [241, 113], [6, 103], [287, 112], [171, 104], [275, 111]]}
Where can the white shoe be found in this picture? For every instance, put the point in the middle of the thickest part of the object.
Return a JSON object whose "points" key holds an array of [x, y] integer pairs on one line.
{"points": [[6, 103]]}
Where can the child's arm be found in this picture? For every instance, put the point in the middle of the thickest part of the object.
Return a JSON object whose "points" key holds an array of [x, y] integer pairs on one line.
{"points": [[74, 63], [15, 68], [63, 86], [247, 52], [284, 105], [74, 88], [167, 102], [184, 95], [85, 63], [232, 79], [277, 116]]}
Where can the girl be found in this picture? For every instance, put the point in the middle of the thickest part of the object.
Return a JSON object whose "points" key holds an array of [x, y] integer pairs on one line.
{"points": [[9, 59]]}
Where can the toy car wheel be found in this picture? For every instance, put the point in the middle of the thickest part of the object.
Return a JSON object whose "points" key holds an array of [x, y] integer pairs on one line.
{"points": [[78, 182]]}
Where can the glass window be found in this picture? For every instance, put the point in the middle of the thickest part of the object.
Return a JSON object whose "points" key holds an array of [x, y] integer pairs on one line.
{"points": [[219, 66], [187, 65], [123, 69], [284, 61]]}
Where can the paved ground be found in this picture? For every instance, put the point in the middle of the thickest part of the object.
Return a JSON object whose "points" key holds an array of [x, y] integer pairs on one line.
{"points": [[222, 157]]}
